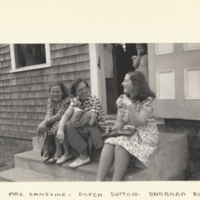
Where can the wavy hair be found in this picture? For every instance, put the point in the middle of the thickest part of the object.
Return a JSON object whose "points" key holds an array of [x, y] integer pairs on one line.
{"points": [[75, 84], [62, 87], [138, 80]]}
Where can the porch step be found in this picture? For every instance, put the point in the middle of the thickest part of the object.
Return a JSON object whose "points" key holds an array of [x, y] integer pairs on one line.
{"points": [[168, 163], [20, 175], [31, 161]]}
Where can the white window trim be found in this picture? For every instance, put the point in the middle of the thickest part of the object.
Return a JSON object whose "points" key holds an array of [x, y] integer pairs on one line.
{"points": [[189, 49], [186, 69], [32, 67], [157, 83], [157, 53]]}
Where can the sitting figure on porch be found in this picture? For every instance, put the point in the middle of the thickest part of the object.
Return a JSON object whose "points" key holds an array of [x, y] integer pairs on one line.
{"points": [[82, 125], [136, 134], [140, 62], [57, 104]]}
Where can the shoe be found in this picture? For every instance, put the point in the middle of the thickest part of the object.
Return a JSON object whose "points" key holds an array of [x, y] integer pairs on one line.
{"points": [[63, 159], [53, 159], [78, 162], [45, 157]]}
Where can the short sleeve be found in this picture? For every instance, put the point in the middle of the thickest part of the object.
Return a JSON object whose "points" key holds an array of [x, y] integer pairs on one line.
{"points": [[66, 103], [49, 109], [147, 105], [95, 106], [119, 103], [74, 103]]}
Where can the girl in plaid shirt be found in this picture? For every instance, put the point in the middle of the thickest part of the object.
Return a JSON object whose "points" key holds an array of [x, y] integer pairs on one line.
{"points": [[57, 104]]}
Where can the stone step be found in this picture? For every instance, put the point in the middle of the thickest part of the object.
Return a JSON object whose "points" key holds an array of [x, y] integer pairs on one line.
{"points": [[168, 163], [111, 117], [31, 161], [20, 175], [37, 145], [164, 139]]}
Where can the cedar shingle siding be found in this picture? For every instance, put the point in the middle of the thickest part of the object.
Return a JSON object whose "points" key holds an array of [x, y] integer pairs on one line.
{"points": [[23, 95]]}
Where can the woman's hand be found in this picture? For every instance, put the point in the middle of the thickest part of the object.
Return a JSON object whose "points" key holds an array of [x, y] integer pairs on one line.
{"points": [[41, 129], [116, 127], [133, 57], [60, 135], [139, 53], [126, 100]]}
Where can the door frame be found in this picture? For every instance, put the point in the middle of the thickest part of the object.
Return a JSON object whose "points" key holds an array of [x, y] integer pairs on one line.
{"points": [[97, 73]]}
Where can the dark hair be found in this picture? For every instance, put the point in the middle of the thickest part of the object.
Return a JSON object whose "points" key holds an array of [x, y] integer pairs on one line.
{"points": [[75, 84], [138, 80], [62, 87]]}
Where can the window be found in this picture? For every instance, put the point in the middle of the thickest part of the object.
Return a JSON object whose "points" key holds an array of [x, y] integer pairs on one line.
{"points": [[164, 48], [191, 46], [29, 56], [192, 82]]}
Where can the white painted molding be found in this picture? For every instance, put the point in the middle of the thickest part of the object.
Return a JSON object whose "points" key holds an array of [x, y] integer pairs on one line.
{"points": [[169, 48], [93, 70], [186, 81], [165, 84], [187, 48], [33, 67]]}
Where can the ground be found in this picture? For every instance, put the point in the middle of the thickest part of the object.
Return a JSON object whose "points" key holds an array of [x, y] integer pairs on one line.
{"points": [[8, 148]]}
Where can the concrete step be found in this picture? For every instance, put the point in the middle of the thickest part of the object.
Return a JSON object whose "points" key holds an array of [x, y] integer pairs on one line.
{"points": [[31, 161], [20, 175], [168, 163], [111, 116]]}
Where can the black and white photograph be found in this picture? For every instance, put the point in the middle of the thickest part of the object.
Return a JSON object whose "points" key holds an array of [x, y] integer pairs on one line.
{"points": [[99, 99], [99, 112]]}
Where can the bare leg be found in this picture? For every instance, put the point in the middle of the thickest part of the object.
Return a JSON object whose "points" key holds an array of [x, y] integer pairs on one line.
{"points": [[46, 145], [67, 155], [83, 155], [106, 161], [59, 150], [66, 147], [122, 158]]}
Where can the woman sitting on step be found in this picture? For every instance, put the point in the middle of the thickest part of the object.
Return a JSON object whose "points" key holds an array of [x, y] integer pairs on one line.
{"points": [[57, 104], [135, 130], [84, 109]]}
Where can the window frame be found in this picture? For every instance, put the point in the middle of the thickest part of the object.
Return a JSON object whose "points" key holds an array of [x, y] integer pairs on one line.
{"points": [[32, 67]]}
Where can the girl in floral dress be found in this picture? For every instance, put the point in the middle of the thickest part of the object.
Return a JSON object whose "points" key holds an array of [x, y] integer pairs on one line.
{"points": [[135, 113], [57, 104]]}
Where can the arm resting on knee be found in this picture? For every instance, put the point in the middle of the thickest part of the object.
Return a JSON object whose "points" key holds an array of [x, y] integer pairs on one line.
{"points": [[69, 112], [93, 119]]}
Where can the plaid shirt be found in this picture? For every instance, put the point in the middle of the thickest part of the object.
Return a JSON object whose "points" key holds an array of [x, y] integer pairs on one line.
{"points": [[55, 111], [91, 104]]}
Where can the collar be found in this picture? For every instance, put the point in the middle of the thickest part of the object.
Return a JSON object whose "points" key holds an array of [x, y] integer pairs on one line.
{"points": [[88, 96]]}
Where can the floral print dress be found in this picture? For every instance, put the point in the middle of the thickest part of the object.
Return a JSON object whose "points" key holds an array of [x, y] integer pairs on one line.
{"points": [[143, 142]]}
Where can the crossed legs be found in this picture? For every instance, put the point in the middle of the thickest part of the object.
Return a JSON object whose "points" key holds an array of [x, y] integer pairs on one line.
{"points": [[118, 155]]}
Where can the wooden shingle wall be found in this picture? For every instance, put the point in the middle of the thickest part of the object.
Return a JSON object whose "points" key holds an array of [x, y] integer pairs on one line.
{"points": [[23, 95]]}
